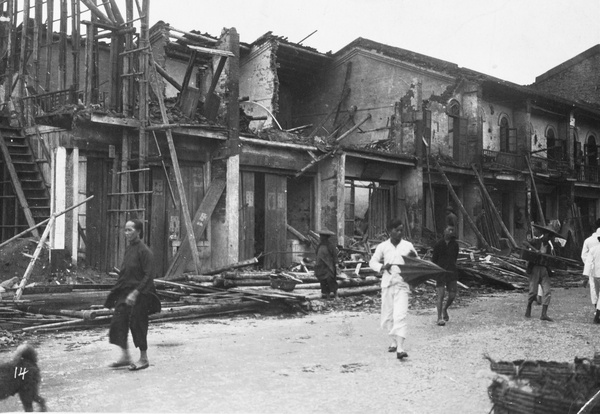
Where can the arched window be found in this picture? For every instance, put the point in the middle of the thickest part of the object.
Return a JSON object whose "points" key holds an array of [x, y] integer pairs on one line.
{"points": [[508, 136], [457, 128]]}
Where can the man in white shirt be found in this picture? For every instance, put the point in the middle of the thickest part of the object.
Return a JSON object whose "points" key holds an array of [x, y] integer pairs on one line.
{"points": [[594, 283], [387, 259]]}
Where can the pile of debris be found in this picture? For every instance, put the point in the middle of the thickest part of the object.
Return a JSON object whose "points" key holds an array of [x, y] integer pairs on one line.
{"points": [[243, 287]]}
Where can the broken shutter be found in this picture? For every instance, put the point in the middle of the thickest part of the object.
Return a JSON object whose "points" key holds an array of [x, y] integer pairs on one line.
{"points": [[463, 153], [380, 211], [275, 221], [512, 140]]}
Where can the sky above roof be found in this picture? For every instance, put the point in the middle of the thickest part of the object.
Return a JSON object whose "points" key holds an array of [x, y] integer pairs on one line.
{"points": [[515, 40]]}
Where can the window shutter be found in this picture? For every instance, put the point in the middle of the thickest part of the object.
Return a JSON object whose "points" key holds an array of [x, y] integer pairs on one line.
{"points": [[512, 140]]}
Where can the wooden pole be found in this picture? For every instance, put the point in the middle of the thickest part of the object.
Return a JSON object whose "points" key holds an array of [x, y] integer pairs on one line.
{"points": [[494, 210], [36, 254], [98, 13], [167, 77], [461, 207], [23, 55], [351, 130], [128, 81], [430, 188], [35, 55], [41, 223], [535, 192], [10, 33], [180, 187], [49, 41], [117, 12], [62, 46], [89, 63], [76, 39]]}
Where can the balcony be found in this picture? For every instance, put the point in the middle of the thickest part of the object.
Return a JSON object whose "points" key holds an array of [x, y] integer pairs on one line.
{"points": [[588, 173], [501, 160], [550, 166]]}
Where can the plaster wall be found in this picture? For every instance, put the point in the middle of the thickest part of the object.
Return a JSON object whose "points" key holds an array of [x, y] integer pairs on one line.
{"points": [[491, 113], [331, 193], [258, 81], [410, 195], [539, 125], [376, 84], [441, 144]]}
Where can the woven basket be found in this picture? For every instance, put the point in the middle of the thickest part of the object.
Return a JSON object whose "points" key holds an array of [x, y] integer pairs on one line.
{"points": [[511, 400], [526, 369]]}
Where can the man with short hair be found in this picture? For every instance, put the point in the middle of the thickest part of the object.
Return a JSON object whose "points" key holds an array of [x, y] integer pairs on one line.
{"points": [[445, 253], [588, 245], [388, 259], [539, 274]]}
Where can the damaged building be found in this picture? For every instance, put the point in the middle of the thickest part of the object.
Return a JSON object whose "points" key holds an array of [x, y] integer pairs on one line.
{"points": [[230, 151]]}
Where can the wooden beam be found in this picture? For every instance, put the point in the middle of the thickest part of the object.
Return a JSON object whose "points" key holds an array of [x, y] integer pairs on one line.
{"points": [[167, 77], [460, 206], [180, 187], [23, 55], [494, 210], [37, 38], [201, 220], [41, 223], [354, 128], [10, 42], [98, 13], [216, 76], [535, 192], [127, 99], [36, 254], [49, 38], [76, 39], [188, 71], [194, 35], [209, 51], [89, 63], [116, 12], [62, 46]]}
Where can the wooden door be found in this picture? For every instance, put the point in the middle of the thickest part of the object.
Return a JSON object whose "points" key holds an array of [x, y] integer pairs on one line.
{"points": [[275, 221], [97, 226], [247, 216]]}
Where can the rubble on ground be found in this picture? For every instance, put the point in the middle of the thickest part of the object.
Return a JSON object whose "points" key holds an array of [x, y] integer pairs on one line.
{"points": [[50, 302]]}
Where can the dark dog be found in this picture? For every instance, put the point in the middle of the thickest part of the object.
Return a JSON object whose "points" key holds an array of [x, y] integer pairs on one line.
{"points": [[22, 375]]}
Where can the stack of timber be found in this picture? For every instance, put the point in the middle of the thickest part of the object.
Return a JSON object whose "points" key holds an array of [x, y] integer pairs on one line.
{"points": [[75, 308]]}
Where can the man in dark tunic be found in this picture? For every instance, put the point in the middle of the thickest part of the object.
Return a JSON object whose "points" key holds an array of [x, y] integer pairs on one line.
{"points": [[325, 270], [539, 274], [133, 298], [445, 253]]}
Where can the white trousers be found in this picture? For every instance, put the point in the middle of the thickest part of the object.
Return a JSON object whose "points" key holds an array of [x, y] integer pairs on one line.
{"points": [[595, 291], [394, 309]]}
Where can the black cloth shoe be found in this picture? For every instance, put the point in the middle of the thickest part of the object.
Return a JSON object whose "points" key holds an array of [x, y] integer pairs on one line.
{"points": [[392, 348], [401, 355]]}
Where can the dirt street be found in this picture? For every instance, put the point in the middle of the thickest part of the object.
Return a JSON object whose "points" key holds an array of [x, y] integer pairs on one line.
{"points": [[328, 362]]}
